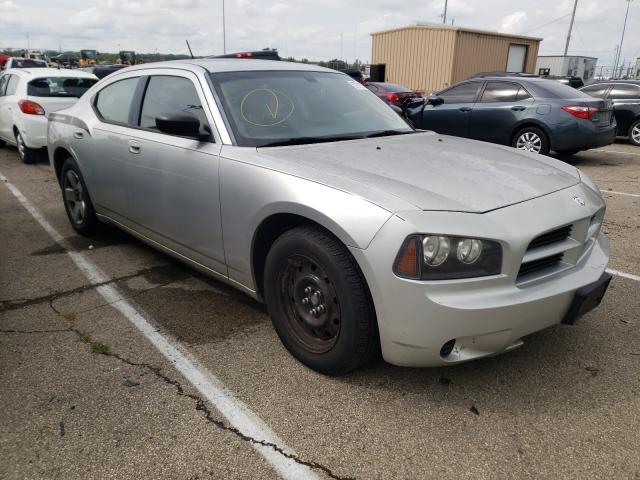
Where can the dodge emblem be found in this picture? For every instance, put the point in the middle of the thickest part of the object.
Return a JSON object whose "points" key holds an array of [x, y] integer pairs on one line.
{"points": [[579, 200]]}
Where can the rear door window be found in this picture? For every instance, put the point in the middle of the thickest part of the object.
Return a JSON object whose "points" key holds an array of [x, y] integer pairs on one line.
{"points": [[4, 79], [168, 95], [624, 92], [113, 102], [464, 93], [59, 86], [597, 91], [500, 92]]}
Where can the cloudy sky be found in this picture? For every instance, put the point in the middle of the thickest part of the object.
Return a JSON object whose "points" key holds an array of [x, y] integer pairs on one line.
{"points": [[315, 29]]}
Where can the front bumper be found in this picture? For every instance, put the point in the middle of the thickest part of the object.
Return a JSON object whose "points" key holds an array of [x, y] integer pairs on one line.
{"points": [[489, 315]]}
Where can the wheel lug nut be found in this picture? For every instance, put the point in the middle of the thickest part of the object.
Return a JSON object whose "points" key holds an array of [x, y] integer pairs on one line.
{"points": [[307, 290], [305, 301], [313, 312], [320, 308]]}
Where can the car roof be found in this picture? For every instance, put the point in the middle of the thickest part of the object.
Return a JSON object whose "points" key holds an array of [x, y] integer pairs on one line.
{"points": [[507, 78], [215, 65], [632, 82], [48, 72]]}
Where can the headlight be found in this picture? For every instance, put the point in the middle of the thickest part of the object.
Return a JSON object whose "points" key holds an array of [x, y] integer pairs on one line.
{"points": [[588, 181], [440, 257]]}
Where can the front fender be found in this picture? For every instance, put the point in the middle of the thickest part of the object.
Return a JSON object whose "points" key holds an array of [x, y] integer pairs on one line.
{"points": [[250, 194]]}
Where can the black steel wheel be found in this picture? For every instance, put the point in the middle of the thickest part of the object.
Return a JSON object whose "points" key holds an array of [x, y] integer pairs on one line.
{"points": [[77, 202], [319, 302]]}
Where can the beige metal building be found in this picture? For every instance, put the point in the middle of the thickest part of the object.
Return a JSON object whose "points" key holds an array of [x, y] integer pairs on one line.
{"points": [[428, 57]]}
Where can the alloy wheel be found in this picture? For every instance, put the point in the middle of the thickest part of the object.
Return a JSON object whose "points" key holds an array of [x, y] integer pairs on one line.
{"points": [[530, 142], [310, 303], [635, 133], [74, 197], [22, 148]]}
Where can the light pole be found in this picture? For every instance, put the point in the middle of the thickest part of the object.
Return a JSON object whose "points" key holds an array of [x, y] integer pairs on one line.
{"points": [[444, 15], [224, 32], [573, 16], [624, 27]]}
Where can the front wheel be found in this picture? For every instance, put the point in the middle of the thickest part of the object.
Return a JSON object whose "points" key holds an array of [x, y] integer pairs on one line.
{"points": [[76, 198], [531, 139], [319, 301], [634, 133]]}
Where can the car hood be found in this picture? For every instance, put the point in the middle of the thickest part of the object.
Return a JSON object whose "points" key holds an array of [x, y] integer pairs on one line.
{"points": [[426, 170]]}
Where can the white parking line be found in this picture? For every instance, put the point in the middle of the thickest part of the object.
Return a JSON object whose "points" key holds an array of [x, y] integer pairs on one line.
{"points": [[236, 412], [621, 193], [630, 276]]}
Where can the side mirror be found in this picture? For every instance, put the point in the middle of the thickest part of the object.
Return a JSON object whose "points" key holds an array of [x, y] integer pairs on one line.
{"points": [[435, 100], [183, 125]]}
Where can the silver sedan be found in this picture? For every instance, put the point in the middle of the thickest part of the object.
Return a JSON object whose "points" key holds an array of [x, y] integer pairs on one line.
{"points": [[300, 187]]}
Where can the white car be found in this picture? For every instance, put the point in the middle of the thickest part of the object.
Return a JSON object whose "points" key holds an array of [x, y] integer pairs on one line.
{"points": [[28, 96], [19, 62]]}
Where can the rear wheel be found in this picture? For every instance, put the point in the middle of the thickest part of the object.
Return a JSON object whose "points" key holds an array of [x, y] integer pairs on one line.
{"points": [[26, 154], [634, 133], [76, 198], [531, 139], [319, 302]]}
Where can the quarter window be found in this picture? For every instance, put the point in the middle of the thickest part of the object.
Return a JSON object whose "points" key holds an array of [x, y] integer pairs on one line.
{"points": [[168, 95], [464, 93], [4, 79], [113, 102], [623, 92], [12, 85]]}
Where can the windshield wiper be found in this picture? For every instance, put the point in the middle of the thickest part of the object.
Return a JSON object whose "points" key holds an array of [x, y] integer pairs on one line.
{"points": [[309, 140], [388, 133]]}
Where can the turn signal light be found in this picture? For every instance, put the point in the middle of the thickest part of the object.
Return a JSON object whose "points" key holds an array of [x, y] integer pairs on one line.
{"points": [[407, 260], [581, 112], [30, 108]]}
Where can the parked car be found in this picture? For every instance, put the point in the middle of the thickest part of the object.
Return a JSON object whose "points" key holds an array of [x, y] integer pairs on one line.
{"points": [[575, 82], [302, 189], [391, 93], [354, 73], [66, 59], [27, 99], [530, 114], [18, 62], [625, 95], [102, 71]]}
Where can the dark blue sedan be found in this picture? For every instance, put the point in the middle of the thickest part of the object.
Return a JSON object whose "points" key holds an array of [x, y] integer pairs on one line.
{"points": [[533, 114]]}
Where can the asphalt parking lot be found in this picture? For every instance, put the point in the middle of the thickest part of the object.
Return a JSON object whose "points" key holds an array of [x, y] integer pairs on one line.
{"points": [[89, 393]]}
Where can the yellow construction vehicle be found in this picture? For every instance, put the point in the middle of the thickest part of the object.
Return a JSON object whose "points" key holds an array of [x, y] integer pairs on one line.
{"points": [[88, 58], [127, 57]]}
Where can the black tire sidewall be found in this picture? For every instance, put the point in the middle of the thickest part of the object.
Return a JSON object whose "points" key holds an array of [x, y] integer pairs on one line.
{"points": [[341, 355], [633, 125], [544, 150], [29, 154], [90, 223]]}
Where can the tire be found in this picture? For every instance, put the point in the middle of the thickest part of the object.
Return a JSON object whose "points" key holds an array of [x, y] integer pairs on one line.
{"points": [[634, 133], [531, 139], [309, 269], [567, 153], [77, 202], [26, 154]]}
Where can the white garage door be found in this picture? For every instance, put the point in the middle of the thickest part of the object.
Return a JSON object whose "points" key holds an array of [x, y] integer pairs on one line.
{"points": [[517, 55]]}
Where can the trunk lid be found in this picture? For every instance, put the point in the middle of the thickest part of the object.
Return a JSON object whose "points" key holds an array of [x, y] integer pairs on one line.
{"points": [[426, 170], [603, 117], [53, 104]]}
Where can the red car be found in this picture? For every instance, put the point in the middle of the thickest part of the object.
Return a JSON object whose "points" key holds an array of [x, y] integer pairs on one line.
{"points": [[391, 93]]}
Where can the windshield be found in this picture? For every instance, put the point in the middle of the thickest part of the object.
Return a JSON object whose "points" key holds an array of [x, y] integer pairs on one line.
{"points": [[291, 107], [59, 86], [27, 63], [90, 54]]}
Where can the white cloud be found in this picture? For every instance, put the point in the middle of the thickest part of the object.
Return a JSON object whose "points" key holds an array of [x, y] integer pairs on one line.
{"points": [[513, 23]]}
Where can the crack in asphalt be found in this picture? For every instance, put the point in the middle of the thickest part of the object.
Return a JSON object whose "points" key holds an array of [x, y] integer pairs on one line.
{"points": [[15, 304], [200, 403]]}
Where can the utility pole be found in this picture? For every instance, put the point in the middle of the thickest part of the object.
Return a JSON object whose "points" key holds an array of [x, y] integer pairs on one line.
{"points": [[224, 32], [444, 15], [624, 27], [573, 16]]}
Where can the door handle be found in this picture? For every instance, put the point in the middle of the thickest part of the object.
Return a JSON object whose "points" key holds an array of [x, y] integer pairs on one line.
{"points": [[134, 147], [78, 134], [465, 109], [518, 108]]}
